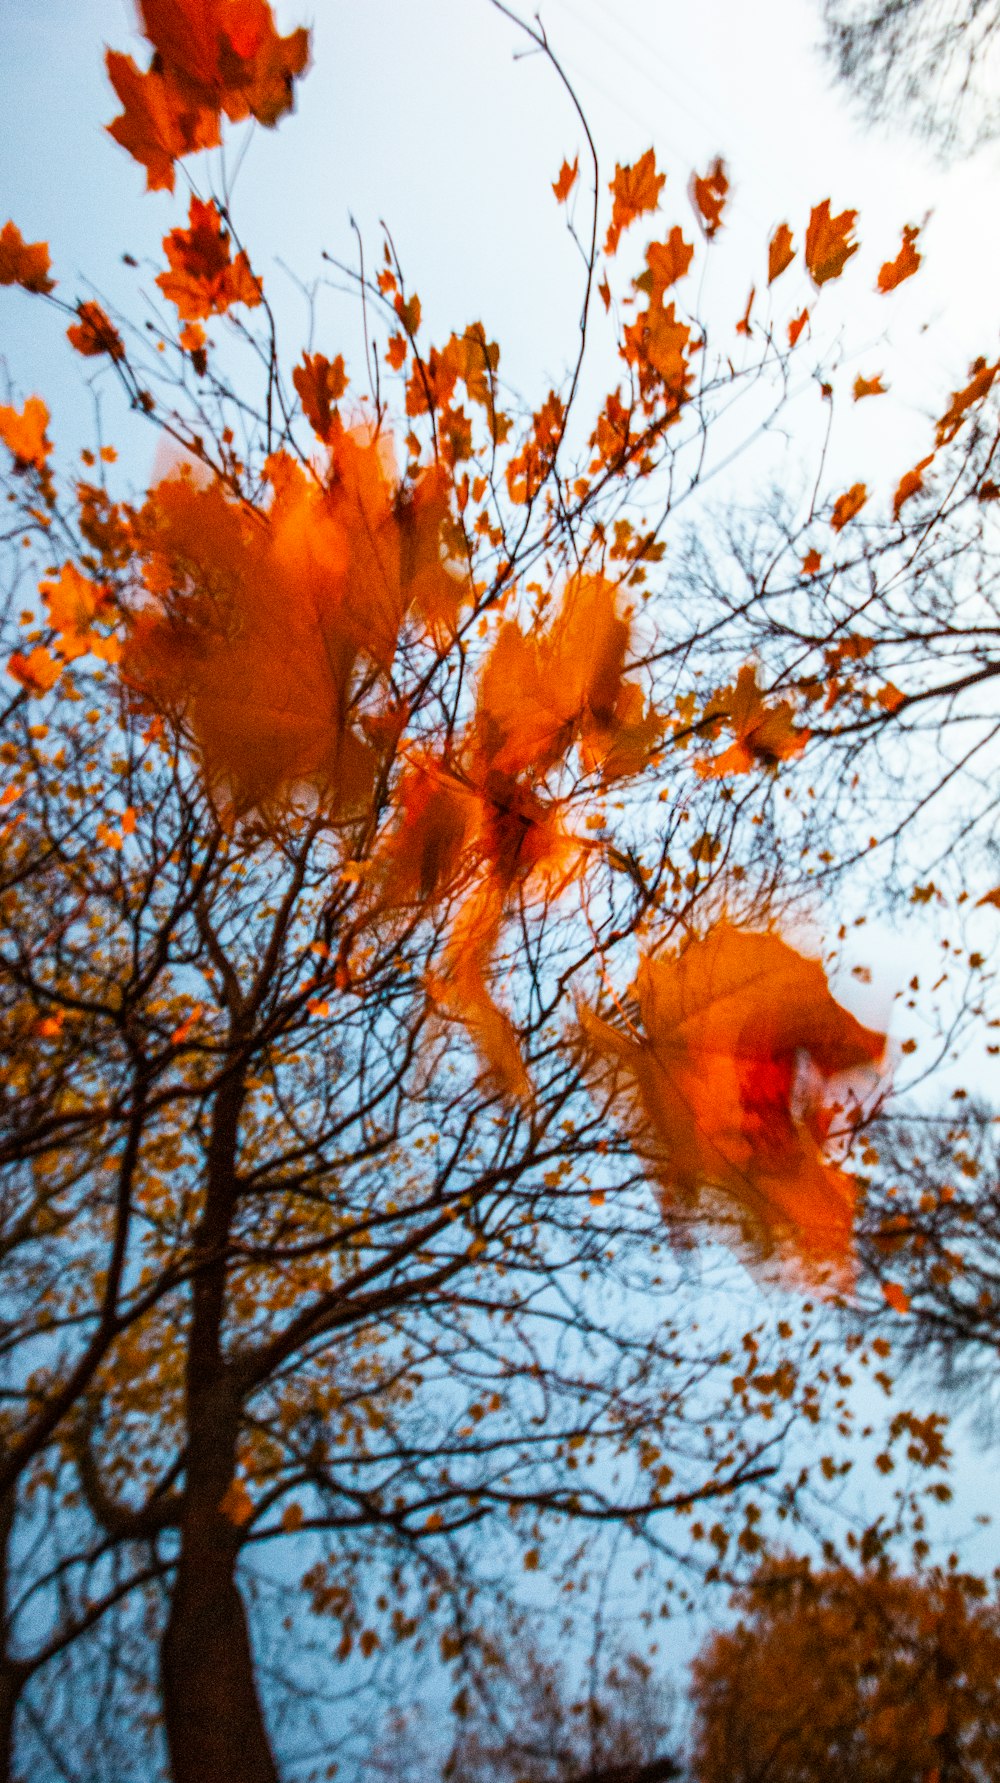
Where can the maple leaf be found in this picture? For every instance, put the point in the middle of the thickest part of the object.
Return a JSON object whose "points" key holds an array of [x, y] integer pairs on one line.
{"points": [[979, 385], [780, 252], [811, 563], [868, 387], [94, 333], [708, 195], [734, 1081], [563, 186], [896, 1297], [24, 263], [320, 384], [24, 433], [893, 272], [205, 279], [37, 672], [828, 242], [210, 57], [795, 328], [765, 735], [847, 505], [910, 484], [635, 189], [73, 603], [666, 262]]}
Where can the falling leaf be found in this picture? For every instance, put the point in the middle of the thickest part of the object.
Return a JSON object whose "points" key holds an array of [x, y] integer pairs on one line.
{"points": [[94, 333], [910, 484], [743, 325], [829, 243], [24, 263], [211, 57], [979, 386], [205, 279], [24, 433], [740, 1066], [868, 387], [320, 384], [780, 252], [765, 735], [635, 189], [905, 264], [563, 186], [708, 195], [37, 672], [847, 505], [795, 328], [896, 1297]]}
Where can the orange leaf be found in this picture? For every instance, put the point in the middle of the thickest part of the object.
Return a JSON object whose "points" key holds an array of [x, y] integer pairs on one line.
{"points": [[708, 195], [742, 1062], [184, 1028], [210, 57], [905, 264], [563, 186], [743, 325], [24, 433], [846, 506], [74, 602], [95, 333], [666, 262], [811, 563], [991, 897], [828, 242], [320, 384], [868, 387], [780, 253], [795, 328], [24, 263], [896, 1297], [36, 672], [396, 354], [889, 697], [204, 279], [635, 189], [236, 1504], [765, 735], [979, 386], [910, 484]]}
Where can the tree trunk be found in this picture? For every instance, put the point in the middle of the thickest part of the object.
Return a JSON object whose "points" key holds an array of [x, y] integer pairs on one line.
{"points": [[214, 1721]]}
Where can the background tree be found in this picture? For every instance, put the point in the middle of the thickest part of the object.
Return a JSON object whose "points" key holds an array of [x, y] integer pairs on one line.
{"points": [[931, 63], [379, 1008], [876, 1674]]}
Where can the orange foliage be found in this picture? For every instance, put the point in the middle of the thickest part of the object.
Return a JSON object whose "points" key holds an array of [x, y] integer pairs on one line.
{"points": [[320, 384], [828, 242], [893, 272], [24, 263], [847, 505], [780, 253], [24, 434], [563, 186], [94, 333], [765, 735], [730, 1080], [708, 195], [204, 278], [256, 623], [634, 189], [211, 57]]}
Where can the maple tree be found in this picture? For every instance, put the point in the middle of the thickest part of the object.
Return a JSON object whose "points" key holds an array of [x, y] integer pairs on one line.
{"points": [[382, 1011], [873, 1674]]}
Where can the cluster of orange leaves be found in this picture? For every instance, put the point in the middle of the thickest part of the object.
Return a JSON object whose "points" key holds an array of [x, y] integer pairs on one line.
{"points": [[210, 57]]}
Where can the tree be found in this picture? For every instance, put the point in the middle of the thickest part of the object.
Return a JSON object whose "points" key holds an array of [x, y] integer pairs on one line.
{"points": [[930, 63], [381, 1016], [869, 1675]]}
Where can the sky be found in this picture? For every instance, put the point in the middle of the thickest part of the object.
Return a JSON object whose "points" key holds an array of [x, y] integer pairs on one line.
{"points": [[433, 117]]}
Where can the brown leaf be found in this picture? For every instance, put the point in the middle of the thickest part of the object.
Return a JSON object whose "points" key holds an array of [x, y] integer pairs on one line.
{"points": [[780, 253], [893, 272], [24, 263]]}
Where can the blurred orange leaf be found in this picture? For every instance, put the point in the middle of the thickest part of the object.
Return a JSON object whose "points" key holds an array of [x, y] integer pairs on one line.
{"points": [[896, 1297], [893, 272], [796, 326], [868, 387], [708, 195], [765, 735], [910, 484], [204, 278], [634, 189], [24, 263], [24, 433], [563, 186], [979, 385], [847, 505], [828, 242], [94, 333], [320, 384], [780, 252]]}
